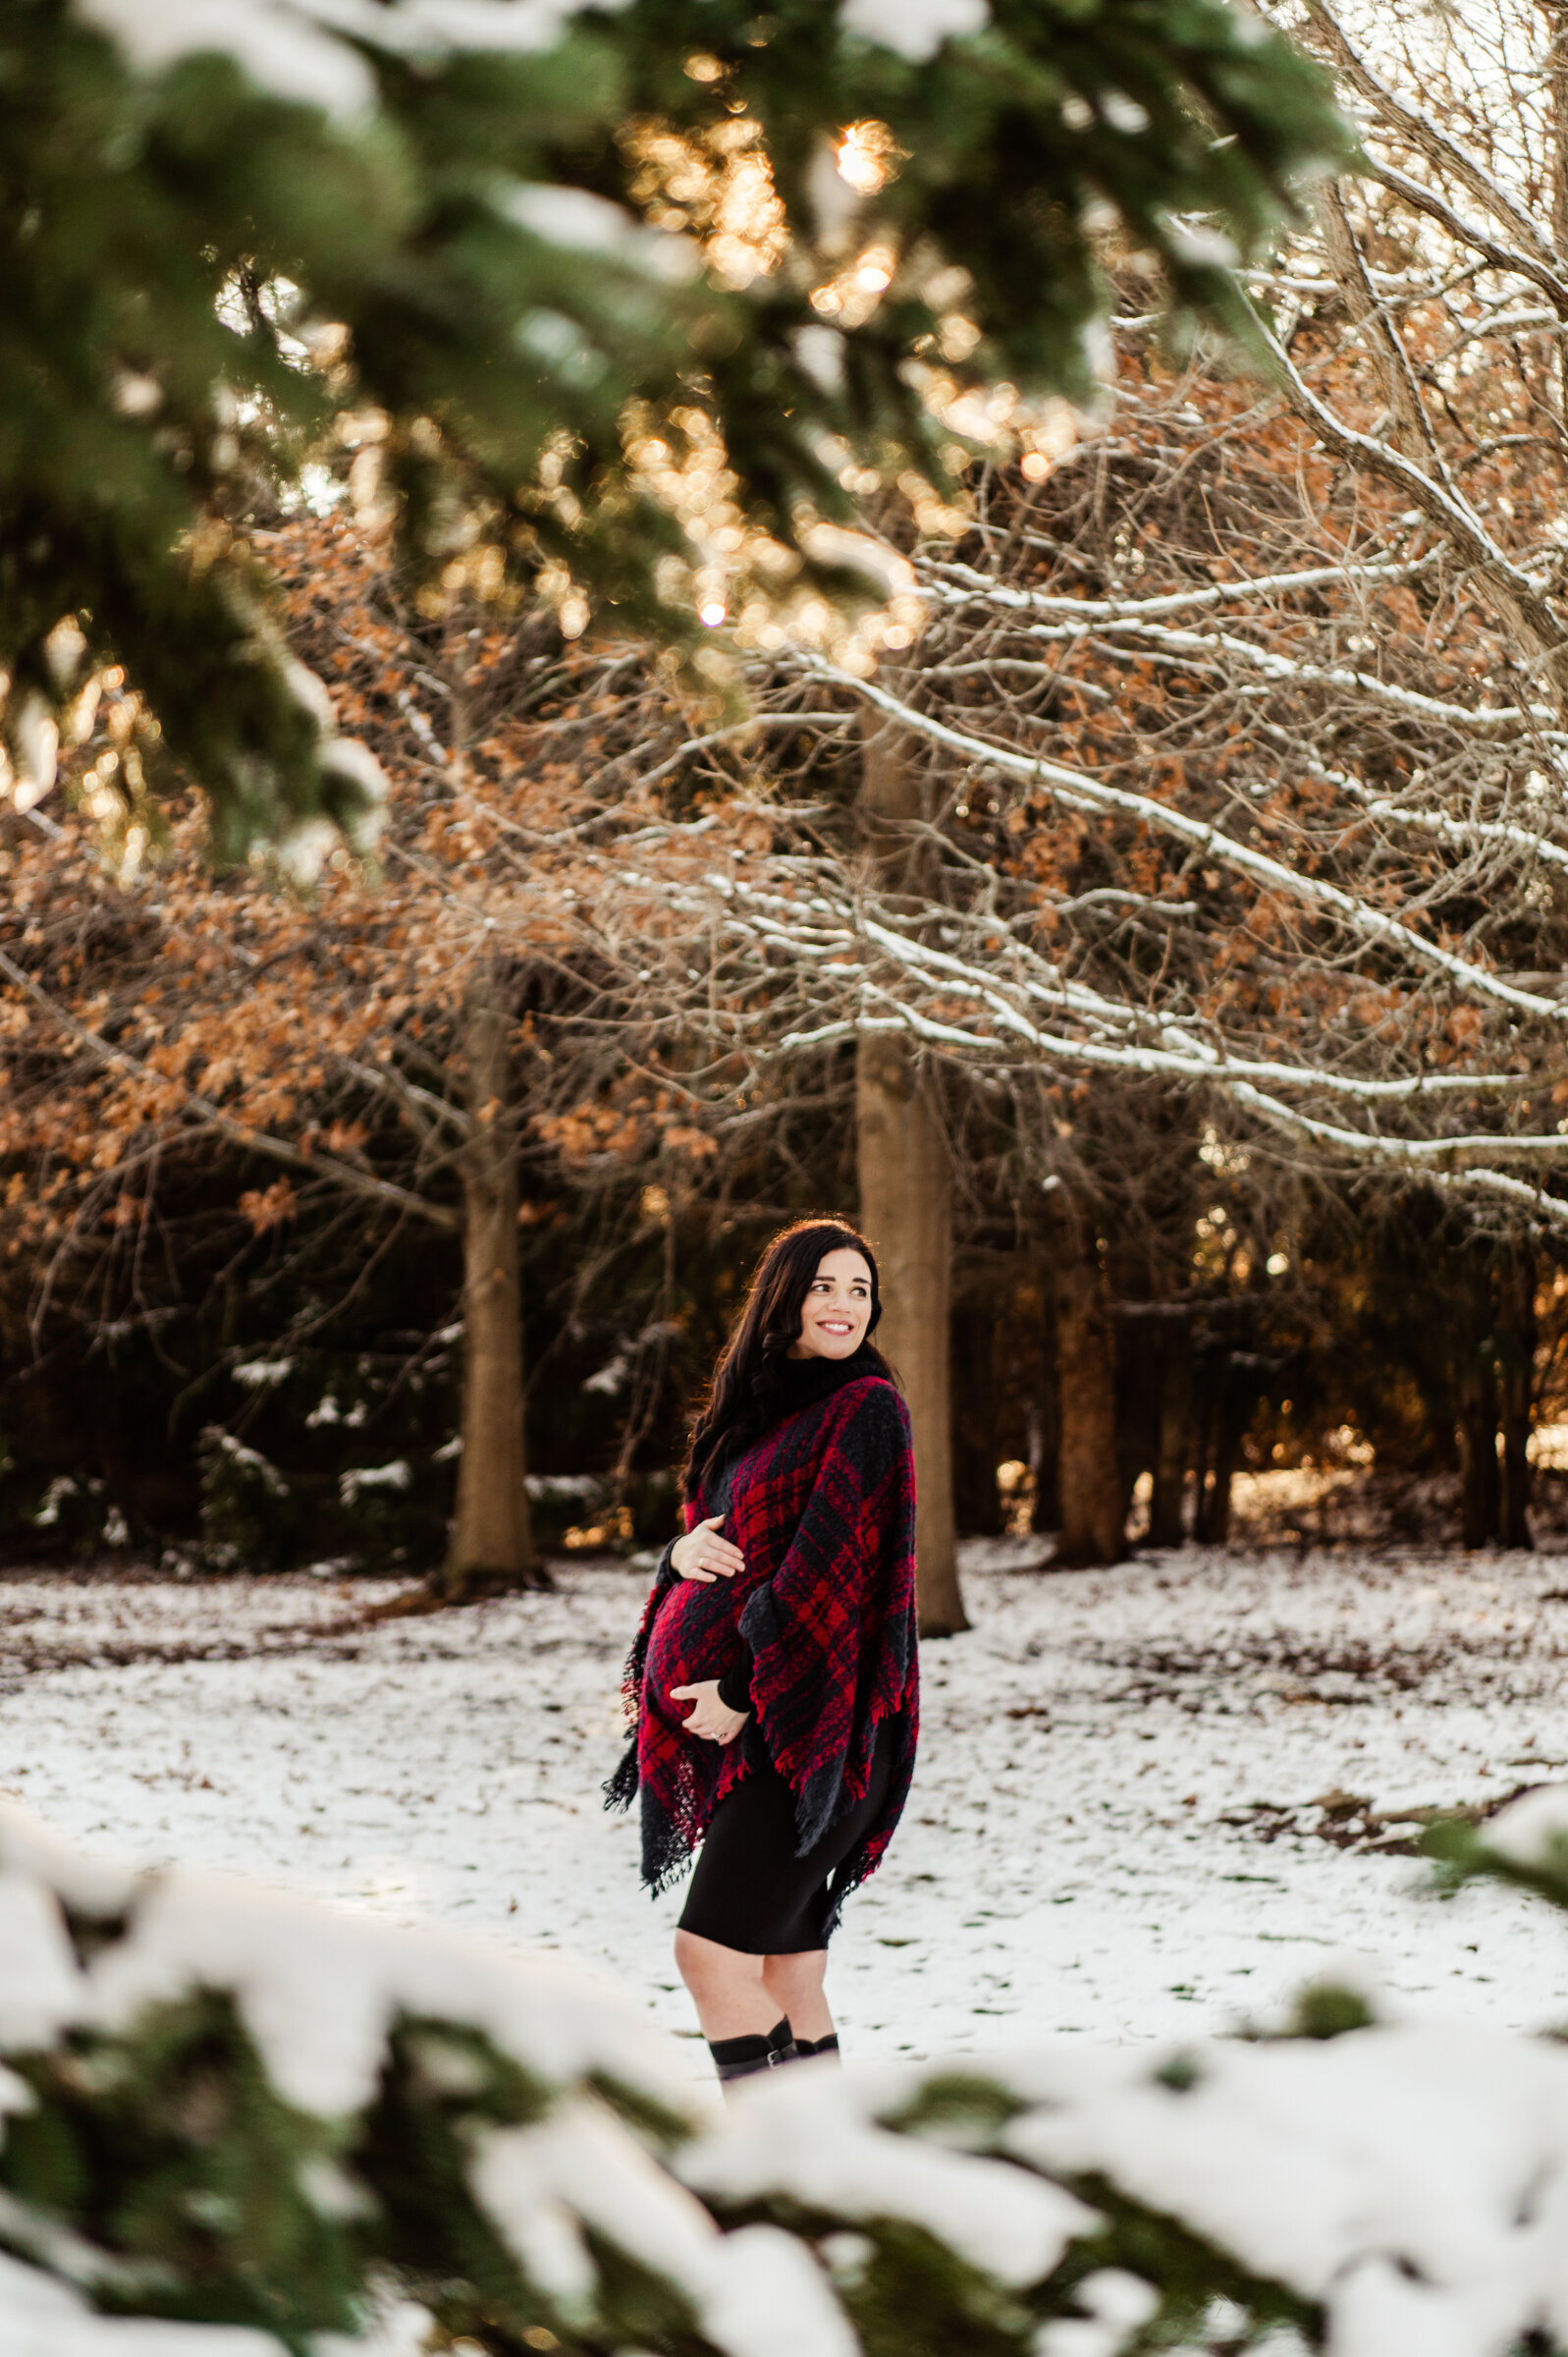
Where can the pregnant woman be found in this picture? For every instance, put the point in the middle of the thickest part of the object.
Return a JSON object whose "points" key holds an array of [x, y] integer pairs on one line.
{"points": [[774, 1684]]}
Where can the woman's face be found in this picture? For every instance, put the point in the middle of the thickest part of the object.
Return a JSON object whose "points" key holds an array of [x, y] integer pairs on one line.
{"points": [[838, 1307]]}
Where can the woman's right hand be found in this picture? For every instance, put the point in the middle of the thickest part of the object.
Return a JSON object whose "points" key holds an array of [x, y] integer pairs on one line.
{"points": [[702, 1554]]}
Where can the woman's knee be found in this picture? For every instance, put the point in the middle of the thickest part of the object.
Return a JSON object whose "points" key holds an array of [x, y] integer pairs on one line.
{"points": [[706, 1966], [796, 1975]]}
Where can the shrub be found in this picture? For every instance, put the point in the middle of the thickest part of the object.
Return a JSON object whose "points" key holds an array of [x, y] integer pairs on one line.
{"points": [[263, 2122]]}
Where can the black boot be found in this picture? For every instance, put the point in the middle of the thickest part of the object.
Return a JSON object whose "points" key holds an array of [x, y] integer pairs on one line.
{"points": [[742, 2057], [806, 2046]]}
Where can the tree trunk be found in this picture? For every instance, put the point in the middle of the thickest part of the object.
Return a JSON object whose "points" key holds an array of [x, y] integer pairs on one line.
{"points": [[492, 1538], [1516, 1373], [906, 1211], [1093, 1527], [1175, 1444], [1046, 1436], [981, 1415], [1213, 1509], [906, 1192], [1477, 1435]]}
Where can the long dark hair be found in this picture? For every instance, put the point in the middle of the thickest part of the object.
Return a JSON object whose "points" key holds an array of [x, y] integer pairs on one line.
{"points": [[748, 1383]]}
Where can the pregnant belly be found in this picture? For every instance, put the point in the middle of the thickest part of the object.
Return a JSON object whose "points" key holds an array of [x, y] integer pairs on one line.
{"points": [[696, 1636]]}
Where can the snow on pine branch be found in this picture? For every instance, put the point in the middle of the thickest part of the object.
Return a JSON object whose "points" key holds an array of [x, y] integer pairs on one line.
{"points": [[915, 29], [42, 2317], [1405, 2186], [553, 2097], [330, 2096], [313, 52]]}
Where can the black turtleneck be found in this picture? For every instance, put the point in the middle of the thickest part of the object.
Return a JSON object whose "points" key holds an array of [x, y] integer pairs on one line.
{"points": [[802, 1382]]}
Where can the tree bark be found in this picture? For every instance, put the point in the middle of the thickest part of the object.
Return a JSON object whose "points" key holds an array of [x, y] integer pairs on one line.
{"points": [[492, 1545], [906, 1212], [1212, 1511], [983, 1419], [906, 1192], [1516, 1384], [1175, 1444], [1413, 434], [1093, 1526], [1477, 1435]]}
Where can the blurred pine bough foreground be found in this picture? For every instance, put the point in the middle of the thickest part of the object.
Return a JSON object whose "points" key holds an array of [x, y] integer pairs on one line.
{"points": [[235, 2126], [233, 223]]}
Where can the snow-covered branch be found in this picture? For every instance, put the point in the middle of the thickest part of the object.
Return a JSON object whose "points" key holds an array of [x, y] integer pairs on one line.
{"points": [[959, 584], [1520, 594], [1079, 790]]}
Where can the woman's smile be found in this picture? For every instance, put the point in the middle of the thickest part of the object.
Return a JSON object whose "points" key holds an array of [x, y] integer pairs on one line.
{"points": [[836, 1310]]}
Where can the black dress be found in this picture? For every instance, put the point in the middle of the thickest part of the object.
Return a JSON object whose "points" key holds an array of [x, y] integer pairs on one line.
{"points": [[751, 1891]]}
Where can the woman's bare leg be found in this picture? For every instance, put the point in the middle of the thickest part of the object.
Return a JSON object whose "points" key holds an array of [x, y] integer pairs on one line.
{"points": [[728, 1987], [794, 1986]]}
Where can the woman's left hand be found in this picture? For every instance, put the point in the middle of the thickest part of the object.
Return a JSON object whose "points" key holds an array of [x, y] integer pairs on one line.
{"points": [[712, 1719]]}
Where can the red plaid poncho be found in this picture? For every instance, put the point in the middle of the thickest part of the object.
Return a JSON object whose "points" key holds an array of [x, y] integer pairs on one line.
{"points": [[823, 1508]]}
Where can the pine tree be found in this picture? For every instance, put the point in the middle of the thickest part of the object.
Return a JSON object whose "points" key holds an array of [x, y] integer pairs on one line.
{"points": [[513, 240]]}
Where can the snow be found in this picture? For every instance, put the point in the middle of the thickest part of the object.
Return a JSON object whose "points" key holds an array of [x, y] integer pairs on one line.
{"points": [[1532, 1831], [538, 2183], [758, 2292], [578, 222], [819, 351], [1117, 2304], [815, 2139], [303, 851], [319, 1991], [1111, 1834], [915, 29], [355, 1479], [1197, 242], [344, 758], [278, 47], [1412, 2178], [767, 2299], [304, 49], [41, 2317], [1124, 1771], [40, 1986], [250, 1460]]}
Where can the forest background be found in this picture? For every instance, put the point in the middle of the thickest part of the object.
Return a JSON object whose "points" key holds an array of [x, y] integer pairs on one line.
{"points": [[1144, 910]]}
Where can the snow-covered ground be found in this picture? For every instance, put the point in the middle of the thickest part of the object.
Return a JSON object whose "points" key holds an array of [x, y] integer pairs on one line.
{"points": [[1114, 1828]]}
